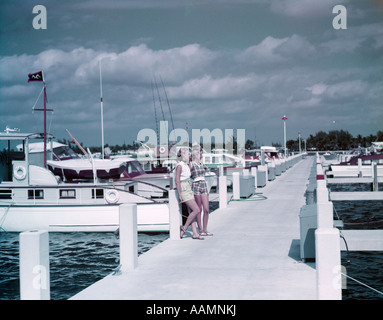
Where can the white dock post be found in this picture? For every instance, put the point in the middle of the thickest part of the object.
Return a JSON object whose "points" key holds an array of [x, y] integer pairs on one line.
{"points": [[254, 174], [236, 194], [221, 171], [325, 208], [322, 191], [325, 211], [222, 187], [128, 237], [327, 245], [34, 265], [328, 264], [360, 173], [263, 162], [174, 216], [374, 168]]}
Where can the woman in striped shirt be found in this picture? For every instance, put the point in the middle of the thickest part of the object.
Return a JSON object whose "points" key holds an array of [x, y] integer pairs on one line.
{"points": [[200, 189]]}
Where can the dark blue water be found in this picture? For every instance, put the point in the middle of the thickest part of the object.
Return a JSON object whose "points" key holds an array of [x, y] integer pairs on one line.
{"points": [[77, 260], [365, 266]]}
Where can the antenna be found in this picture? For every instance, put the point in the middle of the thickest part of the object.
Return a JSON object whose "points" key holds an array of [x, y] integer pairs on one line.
{"points": [[155, 114], [102, 116], [170, 111]]}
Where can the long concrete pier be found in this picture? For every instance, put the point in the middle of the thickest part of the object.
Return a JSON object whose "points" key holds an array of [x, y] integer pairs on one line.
{"points": [[254, 254]]}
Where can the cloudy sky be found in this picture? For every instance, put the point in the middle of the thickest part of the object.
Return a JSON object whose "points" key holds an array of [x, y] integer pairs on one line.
{"points": [[225, 64]]}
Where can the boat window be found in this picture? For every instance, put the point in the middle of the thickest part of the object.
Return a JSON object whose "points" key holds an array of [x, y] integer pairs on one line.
{"points": [[97, 193], [68, 194], [5, 194], [36, 194], [10, 150]]}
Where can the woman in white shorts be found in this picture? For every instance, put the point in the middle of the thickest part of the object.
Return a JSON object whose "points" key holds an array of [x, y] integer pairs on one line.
{"points": [[186, 195]]}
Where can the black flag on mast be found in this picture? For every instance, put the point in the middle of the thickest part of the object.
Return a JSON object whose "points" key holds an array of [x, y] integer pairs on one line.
{"points": [[37, 77]]}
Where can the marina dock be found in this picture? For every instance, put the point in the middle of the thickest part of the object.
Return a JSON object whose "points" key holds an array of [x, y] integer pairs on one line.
{"points": [[254, 253]]}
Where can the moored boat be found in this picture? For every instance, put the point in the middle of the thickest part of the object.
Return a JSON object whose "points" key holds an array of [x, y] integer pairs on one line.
{"points": [[69, 166], [32, 197], [359, 162]]}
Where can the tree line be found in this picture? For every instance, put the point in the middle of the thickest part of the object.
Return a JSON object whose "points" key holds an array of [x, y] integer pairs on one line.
{"points": [[334, 140], [321, 141], [326, 141]]}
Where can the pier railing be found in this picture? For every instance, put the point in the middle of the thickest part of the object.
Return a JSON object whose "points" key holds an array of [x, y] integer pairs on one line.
{"points": [[320, 238]]}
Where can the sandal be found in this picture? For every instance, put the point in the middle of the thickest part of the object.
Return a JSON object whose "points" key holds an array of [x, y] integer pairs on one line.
{"points": [[182, 230], [198, 237], [205, 234]]}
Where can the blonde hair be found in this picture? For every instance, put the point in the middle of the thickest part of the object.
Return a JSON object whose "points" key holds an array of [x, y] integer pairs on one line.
{"points": [[182, 151], [196, 151]]}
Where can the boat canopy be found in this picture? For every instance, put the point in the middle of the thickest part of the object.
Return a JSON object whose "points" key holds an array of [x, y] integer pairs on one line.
{"points": [[22, 136]]}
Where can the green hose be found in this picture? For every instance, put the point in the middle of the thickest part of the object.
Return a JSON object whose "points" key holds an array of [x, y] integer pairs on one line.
{"points": [[254, 197]]}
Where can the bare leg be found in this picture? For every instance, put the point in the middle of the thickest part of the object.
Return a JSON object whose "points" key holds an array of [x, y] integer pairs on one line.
{"points": [[194, 228], [193, 212], [205, 205], [198, 199]]}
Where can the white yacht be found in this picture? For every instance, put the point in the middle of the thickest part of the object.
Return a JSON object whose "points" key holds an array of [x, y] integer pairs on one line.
{"points": [[32, 197]]}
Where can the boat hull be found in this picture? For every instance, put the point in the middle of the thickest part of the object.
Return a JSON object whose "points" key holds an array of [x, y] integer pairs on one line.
{"points": [[71, 218], [75, 169], [72, 174]]}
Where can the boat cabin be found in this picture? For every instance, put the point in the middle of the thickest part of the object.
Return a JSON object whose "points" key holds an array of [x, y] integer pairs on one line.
{"points": [[15, 159]]}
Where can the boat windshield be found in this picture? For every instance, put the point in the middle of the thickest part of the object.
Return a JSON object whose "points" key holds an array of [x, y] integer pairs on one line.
{"points": [[64, 153], [134, 167]]}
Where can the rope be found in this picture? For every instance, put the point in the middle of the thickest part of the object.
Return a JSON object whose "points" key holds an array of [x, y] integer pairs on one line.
{"points": [[348, 261], [50, 123], [33, 108], [4, 217], [357, 223], [363, 284]]}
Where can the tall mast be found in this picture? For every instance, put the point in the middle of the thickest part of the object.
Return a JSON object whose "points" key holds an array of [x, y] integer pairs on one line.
{"points": [[45, 120], [45, 125], [170, 111], [102, 117]]}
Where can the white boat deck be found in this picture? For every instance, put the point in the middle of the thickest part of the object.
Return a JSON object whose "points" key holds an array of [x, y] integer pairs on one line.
{"points": [[254, 254]]}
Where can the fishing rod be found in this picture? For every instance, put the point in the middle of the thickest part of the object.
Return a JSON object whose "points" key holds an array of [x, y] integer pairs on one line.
{"points": [[75, 141]]}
